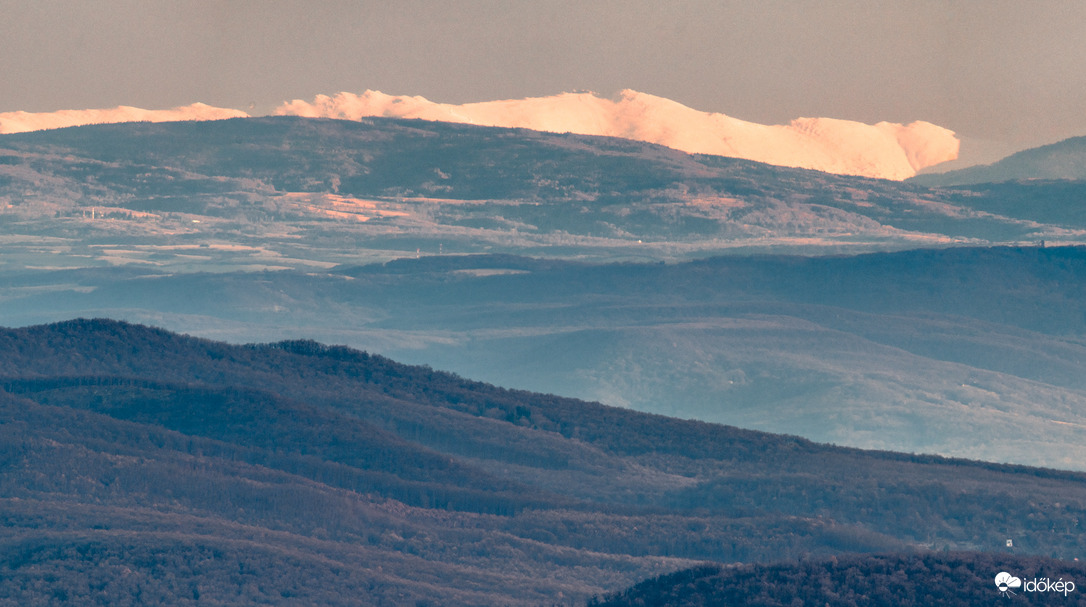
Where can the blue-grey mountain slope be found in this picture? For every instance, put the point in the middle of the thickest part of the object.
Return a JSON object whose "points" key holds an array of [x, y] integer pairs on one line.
{"points": [[969, 352], [296, 193], [1064, 160]]}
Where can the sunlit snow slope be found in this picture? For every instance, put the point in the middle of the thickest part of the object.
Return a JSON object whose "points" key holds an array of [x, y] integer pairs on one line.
{"points": [[21, 122], [884, 150]]}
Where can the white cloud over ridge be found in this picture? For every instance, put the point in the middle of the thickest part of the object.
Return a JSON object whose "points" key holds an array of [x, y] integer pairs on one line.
{"points": [[21, 122], [884, 150]]}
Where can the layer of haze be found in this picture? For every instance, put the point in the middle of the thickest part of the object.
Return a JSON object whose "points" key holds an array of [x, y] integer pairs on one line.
{"points": [[1003, 74]]}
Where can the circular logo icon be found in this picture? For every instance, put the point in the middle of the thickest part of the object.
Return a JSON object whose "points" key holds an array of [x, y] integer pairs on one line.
{"points": [[1005, 581]]}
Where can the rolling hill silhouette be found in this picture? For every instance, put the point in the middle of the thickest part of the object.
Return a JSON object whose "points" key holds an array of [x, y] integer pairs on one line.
{"points": [[141, 465]]}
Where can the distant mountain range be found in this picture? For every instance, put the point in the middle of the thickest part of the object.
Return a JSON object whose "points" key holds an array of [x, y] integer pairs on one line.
{"points": [[294, 192], [140, 466], [884, 150]]}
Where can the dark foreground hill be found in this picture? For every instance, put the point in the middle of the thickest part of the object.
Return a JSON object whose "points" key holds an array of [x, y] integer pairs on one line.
{"points": [[915, 580], [139, 466]]}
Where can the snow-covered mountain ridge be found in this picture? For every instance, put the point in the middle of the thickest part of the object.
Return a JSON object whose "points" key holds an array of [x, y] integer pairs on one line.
{"points": [[23, 122], [884, 150]]}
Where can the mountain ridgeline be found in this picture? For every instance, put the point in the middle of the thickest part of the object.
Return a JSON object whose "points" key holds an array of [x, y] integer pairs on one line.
{"points": [[145, 466], [285, 192]]}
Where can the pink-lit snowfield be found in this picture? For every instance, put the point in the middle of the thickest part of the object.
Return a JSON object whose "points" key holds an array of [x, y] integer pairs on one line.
{"points": [[21, 122], [884, 150]]}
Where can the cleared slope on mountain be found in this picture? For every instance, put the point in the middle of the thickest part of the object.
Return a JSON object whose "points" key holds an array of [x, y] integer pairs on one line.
{"points": [[884, 150], [139, 461]]}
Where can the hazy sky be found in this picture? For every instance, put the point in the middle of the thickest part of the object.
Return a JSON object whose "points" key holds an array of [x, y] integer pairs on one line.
{"points": [[1009, 71]]}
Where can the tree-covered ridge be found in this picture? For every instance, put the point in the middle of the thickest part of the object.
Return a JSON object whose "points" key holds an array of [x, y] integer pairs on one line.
{"points": [[920, 580], [968, 352], [297, 471]]}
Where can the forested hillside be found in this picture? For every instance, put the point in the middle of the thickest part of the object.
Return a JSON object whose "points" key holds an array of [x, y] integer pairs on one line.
{"points": [[915, 580], [968, 352], [141, 466]]}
